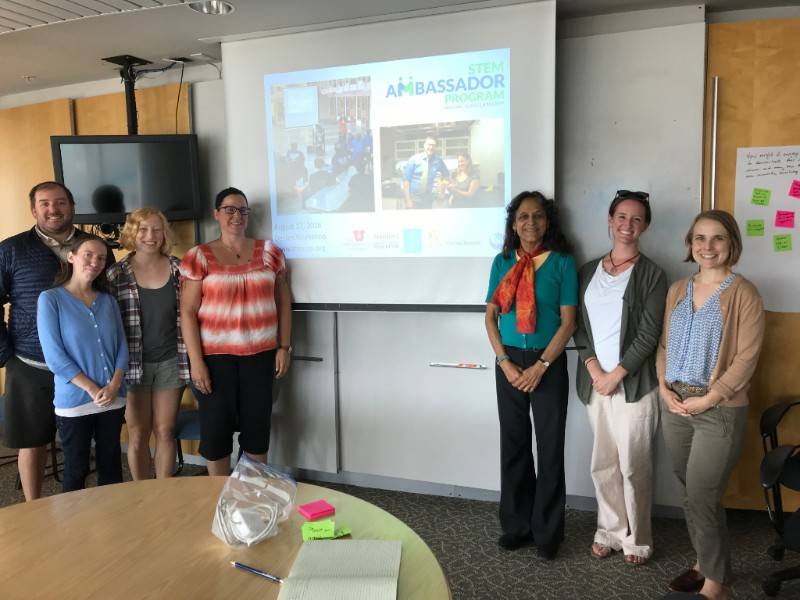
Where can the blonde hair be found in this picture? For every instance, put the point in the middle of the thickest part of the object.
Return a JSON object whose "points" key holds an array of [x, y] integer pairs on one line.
{"points": [[731, 227], [128, 237]]}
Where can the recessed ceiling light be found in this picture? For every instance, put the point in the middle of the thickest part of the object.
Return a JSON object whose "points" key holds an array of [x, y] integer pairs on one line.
{"points": [[211, 7]]}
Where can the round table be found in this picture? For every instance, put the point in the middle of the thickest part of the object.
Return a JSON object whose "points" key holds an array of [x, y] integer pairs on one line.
{"points": [[152, 539]]}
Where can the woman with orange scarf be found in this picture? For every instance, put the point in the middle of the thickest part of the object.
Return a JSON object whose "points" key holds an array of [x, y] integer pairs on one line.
{"points": [[530, 317]]}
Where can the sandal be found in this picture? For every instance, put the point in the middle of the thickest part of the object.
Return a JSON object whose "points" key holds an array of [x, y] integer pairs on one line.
{"points": [[636, 560], [601, 550]]}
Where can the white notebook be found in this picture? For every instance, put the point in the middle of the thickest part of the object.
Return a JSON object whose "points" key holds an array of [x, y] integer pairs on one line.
{"points": [[344, 570]]}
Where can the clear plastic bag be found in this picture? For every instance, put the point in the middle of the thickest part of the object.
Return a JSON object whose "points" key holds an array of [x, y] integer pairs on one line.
{"points": [[253, 501]]}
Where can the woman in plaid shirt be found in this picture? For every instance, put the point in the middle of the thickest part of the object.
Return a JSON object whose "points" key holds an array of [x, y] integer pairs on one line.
{"points": [[147, 287]]}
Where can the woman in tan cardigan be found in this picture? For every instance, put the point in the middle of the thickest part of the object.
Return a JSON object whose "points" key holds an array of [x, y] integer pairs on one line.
{"points": [[713, 328]]}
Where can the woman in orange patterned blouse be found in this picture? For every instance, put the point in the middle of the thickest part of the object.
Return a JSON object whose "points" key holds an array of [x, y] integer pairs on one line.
{"points": [[236, 320]]}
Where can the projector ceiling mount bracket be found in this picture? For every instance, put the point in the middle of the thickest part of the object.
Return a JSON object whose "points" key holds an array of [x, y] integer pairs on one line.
{"points": [[128, 64]]}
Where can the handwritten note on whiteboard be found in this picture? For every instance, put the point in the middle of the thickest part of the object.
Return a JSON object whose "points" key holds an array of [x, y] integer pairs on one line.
{"points": [[767, 194]]}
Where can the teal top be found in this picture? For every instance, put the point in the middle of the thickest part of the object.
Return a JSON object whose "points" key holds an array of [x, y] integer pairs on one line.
{"points": [[555, 285]]}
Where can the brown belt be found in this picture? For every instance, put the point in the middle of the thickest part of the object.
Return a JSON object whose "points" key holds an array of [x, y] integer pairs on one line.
{"points": [[684, 390]]}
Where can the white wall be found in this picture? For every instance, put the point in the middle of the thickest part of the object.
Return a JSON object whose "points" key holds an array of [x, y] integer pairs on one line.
{"points": [[630, 115], [208, 123]]}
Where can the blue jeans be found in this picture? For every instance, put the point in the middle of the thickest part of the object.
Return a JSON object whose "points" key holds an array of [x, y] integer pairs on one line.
{"points": [[76, 438]]}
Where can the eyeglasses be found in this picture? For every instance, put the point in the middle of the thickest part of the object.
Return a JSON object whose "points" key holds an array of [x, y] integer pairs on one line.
{"points": [[642, 196], [232, 210]]}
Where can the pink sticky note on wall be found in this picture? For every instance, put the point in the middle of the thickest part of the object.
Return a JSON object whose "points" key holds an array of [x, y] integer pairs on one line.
{"points": [[794, 189], [784, 218]]}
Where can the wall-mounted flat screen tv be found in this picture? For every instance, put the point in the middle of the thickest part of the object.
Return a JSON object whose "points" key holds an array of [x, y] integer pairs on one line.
{"points": [[111, 175]]}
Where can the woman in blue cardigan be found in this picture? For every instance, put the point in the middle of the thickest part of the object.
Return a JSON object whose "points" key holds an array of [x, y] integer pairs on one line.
{"points": [[84, 345]]}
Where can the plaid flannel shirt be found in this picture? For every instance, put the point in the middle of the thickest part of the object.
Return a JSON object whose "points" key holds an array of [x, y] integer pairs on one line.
{"points": [[123, 284]]}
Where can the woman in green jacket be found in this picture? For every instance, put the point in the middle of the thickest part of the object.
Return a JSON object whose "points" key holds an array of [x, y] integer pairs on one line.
{"points": [[619, 323]]}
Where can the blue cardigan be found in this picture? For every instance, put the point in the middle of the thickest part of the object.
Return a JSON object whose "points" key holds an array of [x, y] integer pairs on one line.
{"points": [[79, 339], [27, 267]]}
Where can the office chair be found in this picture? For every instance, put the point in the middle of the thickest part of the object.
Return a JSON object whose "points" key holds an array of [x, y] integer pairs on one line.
{"points": [[780, 467], [187, 427]]}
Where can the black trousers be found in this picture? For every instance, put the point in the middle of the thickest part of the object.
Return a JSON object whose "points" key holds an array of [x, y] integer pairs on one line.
{"points": [[240, 400], [530, 502], [76, 438]]}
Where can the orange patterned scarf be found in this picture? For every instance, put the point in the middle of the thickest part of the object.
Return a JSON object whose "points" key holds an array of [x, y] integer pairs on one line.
{"points": [[518, 285]]}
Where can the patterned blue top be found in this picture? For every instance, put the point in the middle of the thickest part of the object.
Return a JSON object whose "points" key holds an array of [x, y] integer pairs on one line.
{"points": [[694, 337]]}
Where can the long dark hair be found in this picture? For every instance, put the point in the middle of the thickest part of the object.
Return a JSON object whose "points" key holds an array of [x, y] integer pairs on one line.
{"points": [[100, 283], [554, 238]]}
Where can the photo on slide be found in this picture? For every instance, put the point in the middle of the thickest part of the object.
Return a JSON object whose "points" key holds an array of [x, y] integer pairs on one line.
{"points": [[460, 164], [322, 146]]}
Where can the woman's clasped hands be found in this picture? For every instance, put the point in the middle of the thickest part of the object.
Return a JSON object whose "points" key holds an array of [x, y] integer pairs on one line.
{"points": [[525, 380]]}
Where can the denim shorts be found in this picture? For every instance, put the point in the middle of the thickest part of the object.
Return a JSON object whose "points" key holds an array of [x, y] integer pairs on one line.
{"points": [[159, 376]]}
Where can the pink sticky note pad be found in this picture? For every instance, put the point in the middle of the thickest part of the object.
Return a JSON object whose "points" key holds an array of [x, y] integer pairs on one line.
{"points": [[316, 510], [794, 189], [784, 218]]}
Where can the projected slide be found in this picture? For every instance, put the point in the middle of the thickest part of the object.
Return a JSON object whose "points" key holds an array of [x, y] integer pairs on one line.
{"points": [[392, 159]]}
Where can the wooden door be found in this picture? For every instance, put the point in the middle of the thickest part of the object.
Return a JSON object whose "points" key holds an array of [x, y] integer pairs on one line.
{"points": [[759, 105]]}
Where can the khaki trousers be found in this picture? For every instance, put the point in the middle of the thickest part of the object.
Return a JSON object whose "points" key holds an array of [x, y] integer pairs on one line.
{"points": [[704, 449], [622, 469]]}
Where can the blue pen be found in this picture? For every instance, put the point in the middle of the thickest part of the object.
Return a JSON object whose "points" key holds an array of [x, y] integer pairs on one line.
{"points": [[255, 571]]}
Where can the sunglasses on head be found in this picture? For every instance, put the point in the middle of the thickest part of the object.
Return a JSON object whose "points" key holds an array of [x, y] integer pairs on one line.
{"points": [[643, 196]]}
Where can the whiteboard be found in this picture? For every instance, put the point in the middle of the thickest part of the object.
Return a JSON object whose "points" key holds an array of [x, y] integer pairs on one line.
{"points": [[767, 207]]}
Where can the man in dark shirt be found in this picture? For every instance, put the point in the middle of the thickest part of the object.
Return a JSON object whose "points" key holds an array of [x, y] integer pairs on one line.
{"points": [[29, 262]]}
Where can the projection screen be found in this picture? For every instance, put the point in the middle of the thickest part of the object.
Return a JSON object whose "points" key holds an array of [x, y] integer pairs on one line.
{"points": [[381, 157]]}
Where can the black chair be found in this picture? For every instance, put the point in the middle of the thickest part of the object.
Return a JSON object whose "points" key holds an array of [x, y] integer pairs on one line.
{"points": [[780, 468], [187, 427]]}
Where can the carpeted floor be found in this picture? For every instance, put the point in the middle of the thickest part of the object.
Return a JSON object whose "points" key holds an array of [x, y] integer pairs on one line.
{"points": [[462, 534]]}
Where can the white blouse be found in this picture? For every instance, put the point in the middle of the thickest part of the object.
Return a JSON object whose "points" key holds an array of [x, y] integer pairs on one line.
{"points": [[603, 299]]}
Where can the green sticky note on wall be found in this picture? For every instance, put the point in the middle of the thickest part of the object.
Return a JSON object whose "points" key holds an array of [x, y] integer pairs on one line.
{"points": [[782, 242], [761, 196], [318, 530], [755, 227]]}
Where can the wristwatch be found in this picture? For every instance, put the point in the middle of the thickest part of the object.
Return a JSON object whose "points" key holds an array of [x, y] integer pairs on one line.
{"points": [[546, 363], [287, 348]]}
